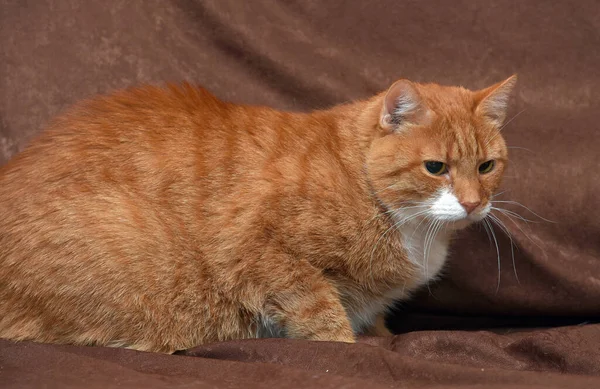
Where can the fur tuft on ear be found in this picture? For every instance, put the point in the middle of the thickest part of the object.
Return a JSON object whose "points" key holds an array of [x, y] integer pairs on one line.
{"points": [[492, 102], [401, 105]]}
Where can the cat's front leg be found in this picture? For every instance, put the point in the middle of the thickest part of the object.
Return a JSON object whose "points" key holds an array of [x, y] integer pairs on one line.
{"points": [[378, 328], [308, 306]]}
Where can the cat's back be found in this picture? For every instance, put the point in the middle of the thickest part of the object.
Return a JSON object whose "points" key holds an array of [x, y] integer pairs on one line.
{"points": [[114, 165], [126, 122], [132, 137]]}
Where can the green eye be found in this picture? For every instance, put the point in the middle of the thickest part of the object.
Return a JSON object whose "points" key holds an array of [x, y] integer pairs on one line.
{"points": [[486, 167], [436, 168]]}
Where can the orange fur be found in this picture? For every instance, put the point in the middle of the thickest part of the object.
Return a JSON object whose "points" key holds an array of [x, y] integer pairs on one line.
{"points": [[163, 218]]}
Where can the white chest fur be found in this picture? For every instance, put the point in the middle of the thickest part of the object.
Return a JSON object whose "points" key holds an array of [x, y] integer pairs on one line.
{"points": [[427, 250]]}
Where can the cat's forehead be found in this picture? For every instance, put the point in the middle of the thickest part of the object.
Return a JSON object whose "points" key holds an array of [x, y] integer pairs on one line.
{"points": [[448, 101], [453, 116], [461, 135]]}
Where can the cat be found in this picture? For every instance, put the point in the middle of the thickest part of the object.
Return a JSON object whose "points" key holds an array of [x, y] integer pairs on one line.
{"points": [[162, 218]]}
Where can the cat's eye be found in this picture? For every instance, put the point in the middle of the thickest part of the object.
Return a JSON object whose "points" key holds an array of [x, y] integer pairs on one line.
{"points": [[436, 168], [486, 167]]}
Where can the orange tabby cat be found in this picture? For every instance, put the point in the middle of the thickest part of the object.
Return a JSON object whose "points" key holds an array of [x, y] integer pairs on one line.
{"points": [[163, 218]]}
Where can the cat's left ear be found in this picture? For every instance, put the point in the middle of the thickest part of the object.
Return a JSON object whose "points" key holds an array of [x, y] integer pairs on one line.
{"points": [[492, 102]]}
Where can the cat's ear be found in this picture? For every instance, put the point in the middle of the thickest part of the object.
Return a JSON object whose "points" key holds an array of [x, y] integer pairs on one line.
{"points": [[402, 105], [492, 102]]}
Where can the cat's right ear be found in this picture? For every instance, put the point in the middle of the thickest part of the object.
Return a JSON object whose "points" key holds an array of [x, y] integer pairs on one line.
{"points": [[402, 105]]}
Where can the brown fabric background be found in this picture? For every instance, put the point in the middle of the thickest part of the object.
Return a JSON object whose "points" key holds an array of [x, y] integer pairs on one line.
{"points": [[311, 54]]}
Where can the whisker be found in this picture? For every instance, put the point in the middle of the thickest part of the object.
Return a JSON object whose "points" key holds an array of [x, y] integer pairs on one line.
{"points": [[521, 205], [430, 229], [411, 207], [487, 231], [417, 227], [497, 251], [435, 234], [428, 243], [425, 244], [503, 126], [393, 226], [513, 118], [499, 193], [384, 189], [428, 240], [520, 148], [503, 227], [396, 210], [524, 233], [514, 214]]}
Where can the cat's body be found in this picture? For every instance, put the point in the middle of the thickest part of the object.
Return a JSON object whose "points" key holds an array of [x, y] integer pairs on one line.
{"points": [[163, 218]]}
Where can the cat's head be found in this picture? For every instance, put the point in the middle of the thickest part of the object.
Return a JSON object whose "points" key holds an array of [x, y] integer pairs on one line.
{"points": [[440, 154]]}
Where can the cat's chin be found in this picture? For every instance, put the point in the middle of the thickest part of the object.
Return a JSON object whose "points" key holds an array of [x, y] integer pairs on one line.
{"points": [[459, 224], [466, 222]]}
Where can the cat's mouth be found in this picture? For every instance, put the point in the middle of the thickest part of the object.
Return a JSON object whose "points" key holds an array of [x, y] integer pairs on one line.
{"points": [[479, 215], [451, 218], [461, 219], [464, 223]]}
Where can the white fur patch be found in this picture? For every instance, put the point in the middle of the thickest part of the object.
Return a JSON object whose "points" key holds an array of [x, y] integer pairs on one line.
{"points": [[365, 317], [446, 207], [267, 328], [426, 249], [480, 214], [405, 105]]}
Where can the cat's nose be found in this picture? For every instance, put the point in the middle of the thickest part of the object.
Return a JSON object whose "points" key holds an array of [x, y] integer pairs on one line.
{"points": [[470, 206]]}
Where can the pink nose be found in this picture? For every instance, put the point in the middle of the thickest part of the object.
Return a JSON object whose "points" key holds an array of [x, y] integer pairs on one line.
{"points": [[470, 206]]}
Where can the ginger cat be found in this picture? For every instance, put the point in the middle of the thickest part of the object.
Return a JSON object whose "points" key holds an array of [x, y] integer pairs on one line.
{"points": [[163, 218]]}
